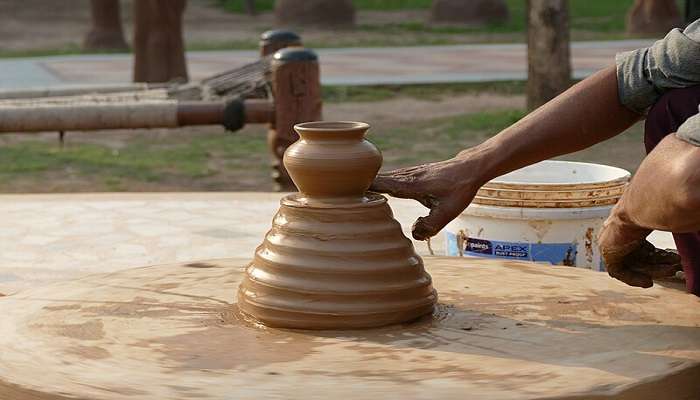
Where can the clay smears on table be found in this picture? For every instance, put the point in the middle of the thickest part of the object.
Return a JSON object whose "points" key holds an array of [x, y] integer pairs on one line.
{"points": [[335, 257]]}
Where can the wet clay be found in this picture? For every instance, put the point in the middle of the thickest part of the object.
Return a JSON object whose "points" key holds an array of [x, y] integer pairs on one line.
{"points": [[335, 257]]}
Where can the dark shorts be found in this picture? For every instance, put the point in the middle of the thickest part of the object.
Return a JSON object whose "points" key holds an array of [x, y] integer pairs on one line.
{"points": [[664, 118]]}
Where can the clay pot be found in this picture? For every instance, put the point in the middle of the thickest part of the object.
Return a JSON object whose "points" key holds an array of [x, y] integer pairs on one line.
{"points": [[335, 257], [332, 160]]}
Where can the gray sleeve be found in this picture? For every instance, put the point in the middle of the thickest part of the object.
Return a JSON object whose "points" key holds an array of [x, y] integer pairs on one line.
{"points": [[673, 62], [690, 130]]}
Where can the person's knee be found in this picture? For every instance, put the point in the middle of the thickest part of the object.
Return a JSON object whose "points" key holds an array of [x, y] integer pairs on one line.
{"points": [[665, 192], [672, 109], [684, 173]]}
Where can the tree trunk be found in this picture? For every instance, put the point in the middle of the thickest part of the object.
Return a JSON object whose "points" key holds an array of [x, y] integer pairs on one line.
{"points": [[653, 17], [250, 7], [472, 12], [321, 13], [159, 51], [106, 32], [548, 54]]}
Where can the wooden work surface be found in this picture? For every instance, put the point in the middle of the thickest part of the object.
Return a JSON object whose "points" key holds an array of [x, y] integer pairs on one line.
{"points": [[502, 331]]}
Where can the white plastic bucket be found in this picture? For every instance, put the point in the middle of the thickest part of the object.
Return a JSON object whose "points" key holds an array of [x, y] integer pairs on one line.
{"points": [[551, 212]]}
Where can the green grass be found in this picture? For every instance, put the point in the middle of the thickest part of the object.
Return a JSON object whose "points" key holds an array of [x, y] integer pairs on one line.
{"points": [[69, 49], [377, 5], [240, 161], [587, 15], [340, 94], [440, 138], [214, 161], [590, 20], [143, 159], [603, 16]]}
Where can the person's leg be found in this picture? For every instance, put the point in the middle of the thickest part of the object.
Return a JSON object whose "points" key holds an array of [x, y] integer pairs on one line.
{"points": [[664, 118], [663, 195]]}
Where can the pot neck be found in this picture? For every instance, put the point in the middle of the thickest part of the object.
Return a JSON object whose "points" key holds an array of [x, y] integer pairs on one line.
{"points": [[343, 131], [333, 136]]}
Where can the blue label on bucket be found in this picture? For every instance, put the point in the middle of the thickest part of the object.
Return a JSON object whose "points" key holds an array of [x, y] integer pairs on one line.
{"points": [[554, 253]]}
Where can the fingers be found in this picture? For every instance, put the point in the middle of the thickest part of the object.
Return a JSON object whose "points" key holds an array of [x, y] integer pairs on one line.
{"points": [[440, 215], [665, 257], [641, 266], [394, 185], [656, 271], [658, 263], [630, 277]]}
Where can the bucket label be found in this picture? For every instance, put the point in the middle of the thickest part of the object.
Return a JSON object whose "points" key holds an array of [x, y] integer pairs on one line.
{"points": [[554, 253]]}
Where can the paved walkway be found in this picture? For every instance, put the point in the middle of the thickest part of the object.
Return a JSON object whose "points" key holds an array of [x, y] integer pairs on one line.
{"points": [[44, 238], [351, 66]]}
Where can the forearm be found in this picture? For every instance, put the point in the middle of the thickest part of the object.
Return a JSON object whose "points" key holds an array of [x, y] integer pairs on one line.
{"points": [[588, 113]]}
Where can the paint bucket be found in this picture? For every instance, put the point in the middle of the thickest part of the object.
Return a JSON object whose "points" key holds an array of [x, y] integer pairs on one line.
{"points": [[550, 212]]}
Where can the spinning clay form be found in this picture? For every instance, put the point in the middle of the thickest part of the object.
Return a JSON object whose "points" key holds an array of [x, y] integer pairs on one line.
{"points": [[335, 257]]}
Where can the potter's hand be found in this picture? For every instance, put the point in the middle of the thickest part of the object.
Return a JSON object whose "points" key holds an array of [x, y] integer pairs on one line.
{"points": [[629, 257], [445, 187]]}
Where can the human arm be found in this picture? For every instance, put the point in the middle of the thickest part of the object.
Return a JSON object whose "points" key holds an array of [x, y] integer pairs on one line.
{"points": [[592, 111], [588, 113]]}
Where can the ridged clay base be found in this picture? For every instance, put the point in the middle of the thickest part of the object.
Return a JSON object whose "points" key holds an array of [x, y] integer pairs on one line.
{"points": [[335, 265]]}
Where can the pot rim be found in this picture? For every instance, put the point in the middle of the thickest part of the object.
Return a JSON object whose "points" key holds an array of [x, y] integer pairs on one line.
{"points": [[331, 127]]}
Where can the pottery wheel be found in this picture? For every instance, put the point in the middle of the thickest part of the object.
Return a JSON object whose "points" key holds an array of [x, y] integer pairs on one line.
{"points": [[501, 331]]}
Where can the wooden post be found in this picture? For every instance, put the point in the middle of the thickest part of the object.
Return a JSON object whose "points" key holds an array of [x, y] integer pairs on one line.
{"points": [[249, 6], [296, 86], [106, 31], [549, 59], [653, 17], [272, 41], [159, 51]]}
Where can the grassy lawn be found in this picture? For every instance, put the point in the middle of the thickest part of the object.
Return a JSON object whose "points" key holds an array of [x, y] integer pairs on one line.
{"points": [[226, 162], [200, 162], [216, 161], [236, 6], [438, 139], [590, 20], [587, 15], [341, 94]]}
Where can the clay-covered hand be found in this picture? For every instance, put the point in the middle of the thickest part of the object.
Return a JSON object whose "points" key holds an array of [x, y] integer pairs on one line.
{"points": [[445, 187], [629, 257]]}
